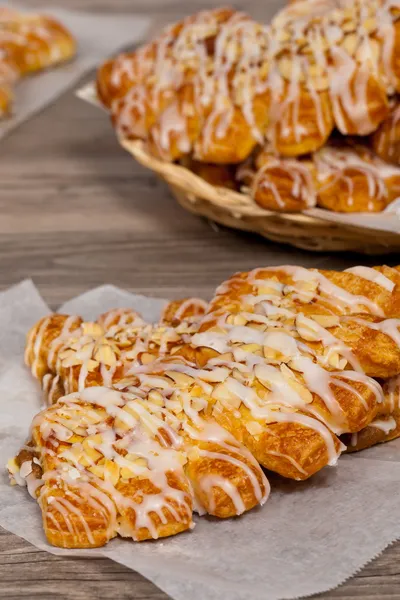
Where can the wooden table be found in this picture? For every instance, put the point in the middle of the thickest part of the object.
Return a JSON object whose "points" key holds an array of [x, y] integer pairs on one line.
{"points": [[77, 212]]}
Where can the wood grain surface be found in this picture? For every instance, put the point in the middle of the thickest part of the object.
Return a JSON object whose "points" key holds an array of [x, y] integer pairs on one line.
{"points": [[77, 212]]}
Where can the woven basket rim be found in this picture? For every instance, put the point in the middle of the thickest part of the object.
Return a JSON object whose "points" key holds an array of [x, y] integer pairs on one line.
{"points": [[238, 204]]}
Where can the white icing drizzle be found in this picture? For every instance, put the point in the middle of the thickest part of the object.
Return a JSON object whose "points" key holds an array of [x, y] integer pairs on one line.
{"points": [[374, 276], [386, 425], [282, 343], [143, 441]]}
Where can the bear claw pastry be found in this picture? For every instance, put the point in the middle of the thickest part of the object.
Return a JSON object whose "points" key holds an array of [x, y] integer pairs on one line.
{"points": [[283, 368]]}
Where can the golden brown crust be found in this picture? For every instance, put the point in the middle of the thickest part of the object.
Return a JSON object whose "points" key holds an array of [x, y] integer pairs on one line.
{"points": [[342, 177], [169, 116], [386, 140], [215, 85], [311, 110], [217, 175], [311, 307], [177, 311], [29, 43], [35, 42], [104, 463]]}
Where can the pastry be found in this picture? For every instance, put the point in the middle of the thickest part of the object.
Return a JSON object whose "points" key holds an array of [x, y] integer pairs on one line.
{"points": [[219, 77], [385, 427], [67, 355], [217, 175], [29, 43], [197, 89], [338, 62], [281, 368], [281, 393], [386, 140], [341, 177], [103, 463], [284, 356]]}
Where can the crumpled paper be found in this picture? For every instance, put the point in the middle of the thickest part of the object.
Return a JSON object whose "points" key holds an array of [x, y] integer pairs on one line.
{"points": [[308, 538], [98, 36]]}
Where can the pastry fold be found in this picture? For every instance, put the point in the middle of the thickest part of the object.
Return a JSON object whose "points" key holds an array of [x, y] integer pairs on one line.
{"points": [[341, 177], [67, 355], [213, 86], [195, 90], [386, 139], [29, 43], [104, 463], [385, 427]]}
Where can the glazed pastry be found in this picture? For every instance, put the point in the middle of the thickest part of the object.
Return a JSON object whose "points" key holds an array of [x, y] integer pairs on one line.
{"points": [[285, 358], [34, 42], [281, 184], [185, 310], [196, 90], [29, 43], [104, 463], [66, 354], [337, 61], [386, 140], [279, 392], [219, 77], [385, 427], [341, 177], [217, 175]]}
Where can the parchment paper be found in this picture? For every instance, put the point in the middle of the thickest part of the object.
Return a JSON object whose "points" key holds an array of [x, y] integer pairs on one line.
{"points": [[98, 36], [308, 538]]}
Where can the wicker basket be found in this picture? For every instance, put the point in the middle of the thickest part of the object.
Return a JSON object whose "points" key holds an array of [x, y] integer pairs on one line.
{"points": [[238, 210]]}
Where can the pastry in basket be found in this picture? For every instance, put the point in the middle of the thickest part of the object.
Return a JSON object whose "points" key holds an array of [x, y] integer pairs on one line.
{"points": [[66, 354], [335, 64], [342, 177], [217, 175], [196, 90], [103, 463], [29, 43], [386, 140]]}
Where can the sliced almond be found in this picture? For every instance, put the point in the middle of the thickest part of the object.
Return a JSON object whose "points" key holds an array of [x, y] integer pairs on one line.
{"points": [[252, 348], [181, 379], [326, 321], [307, 329], [336, 361], [156, 397], [127, 473], [97, 470], [303, 392], [146, 358], [236, 320], [350, 43], [254, 428], [92, 329], [111, 471], [104, 354]]}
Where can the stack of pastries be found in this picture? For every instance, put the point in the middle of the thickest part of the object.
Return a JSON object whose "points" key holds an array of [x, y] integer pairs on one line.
{"points": [[146, 423], [299, 113], [29, 43]]}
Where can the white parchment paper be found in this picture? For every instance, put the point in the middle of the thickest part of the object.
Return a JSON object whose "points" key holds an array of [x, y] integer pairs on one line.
{"points": [[308, 538], [98, 36]]}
